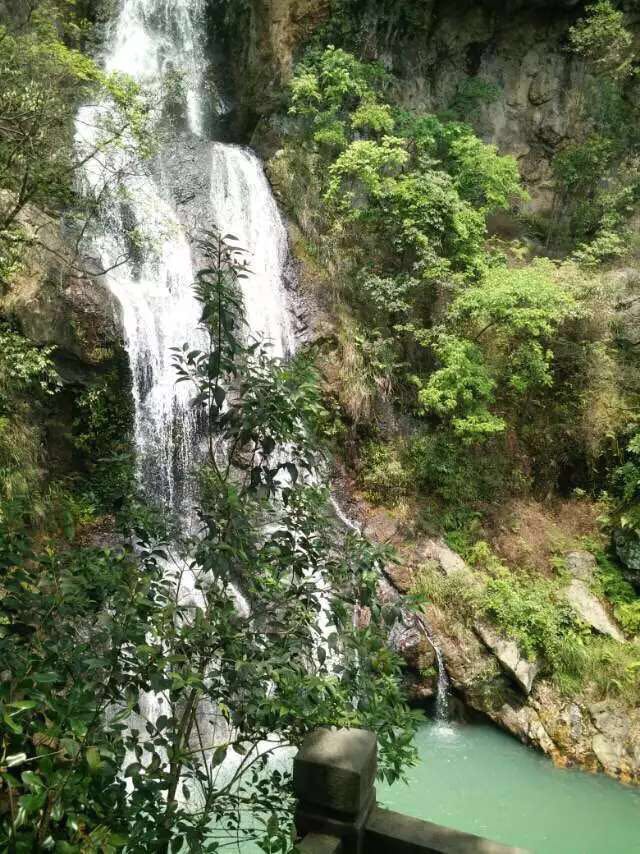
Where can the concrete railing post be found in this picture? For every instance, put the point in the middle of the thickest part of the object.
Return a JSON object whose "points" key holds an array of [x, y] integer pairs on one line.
{"points": [[333, 776]]}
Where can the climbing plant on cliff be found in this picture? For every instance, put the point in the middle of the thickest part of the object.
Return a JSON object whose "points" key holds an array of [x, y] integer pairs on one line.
{"points": [[596, 172], [494, 348], [405, 196], [150, 713], [488, 352]]}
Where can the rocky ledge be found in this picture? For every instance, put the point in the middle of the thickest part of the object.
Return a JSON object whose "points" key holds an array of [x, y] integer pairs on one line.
{"points": [[491, 675]]}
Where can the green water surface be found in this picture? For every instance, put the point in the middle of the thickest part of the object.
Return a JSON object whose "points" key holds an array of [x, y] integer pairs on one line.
{"points": [[474, 778]]}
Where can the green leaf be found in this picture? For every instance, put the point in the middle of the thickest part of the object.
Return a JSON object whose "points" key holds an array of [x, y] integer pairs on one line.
{"points": [[93, 759], [14, 726], [22, 705], [70, 746], [30, 778]]}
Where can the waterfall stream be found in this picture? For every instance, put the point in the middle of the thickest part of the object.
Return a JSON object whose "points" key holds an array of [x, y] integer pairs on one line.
{"points": [[442, 685], [148, 40]]}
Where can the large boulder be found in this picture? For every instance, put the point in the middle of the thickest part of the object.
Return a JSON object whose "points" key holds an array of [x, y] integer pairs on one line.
{"points": [[581, 565], [628, 551], [60, 300], [591, 610], [511, 659], [438, 552]]}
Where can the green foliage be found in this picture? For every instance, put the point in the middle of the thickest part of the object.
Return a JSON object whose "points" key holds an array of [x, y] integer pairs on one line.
{"points": [[603, 40], [385, 476], [449, 592], [24, 369], [101, 435], [597, 178], [419, 186], [609, 668], [27, 380], [628, 615], [225, 629], [626, 488], [496, 346], [436, 464], [533, 612], [461, 390], [406, 198], [44, 78], [458, 475], [472, 94], [336, 95]]}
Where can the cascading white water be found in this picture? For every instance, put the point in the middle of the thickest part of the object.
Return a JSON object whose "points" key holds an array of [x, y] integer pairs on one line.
{"points": [[154, 38], [159, 311], [154, 287], [442, 685], [243, 205]]}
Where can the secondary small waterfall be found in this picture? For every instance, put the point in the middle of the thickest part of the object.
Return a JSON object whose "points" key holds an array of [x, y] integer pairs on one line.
{"points": [[443, 686]]}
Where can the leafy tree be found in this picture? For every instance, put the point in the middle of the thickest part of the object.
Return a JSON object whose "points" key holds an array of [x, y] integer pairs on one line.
{"points": [[189, 667], [497, 346], [597, 179], [44, 78], [602, 38]]}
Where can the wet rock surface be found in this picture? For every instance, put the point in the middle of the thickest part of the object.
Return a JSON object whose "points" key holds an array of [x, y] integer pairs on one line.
{"points": [[59, 300]]}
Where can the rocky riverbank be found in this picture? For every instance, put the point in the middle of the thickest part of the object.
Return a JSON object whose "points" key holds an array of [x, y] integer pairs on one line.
{"points": [[489, 672]]}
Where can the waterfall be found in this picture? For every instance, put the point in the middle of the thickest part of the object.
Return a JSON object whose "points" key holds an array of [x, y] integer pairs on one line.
{"points": [[243, 205], [148, 40], [155, 38], [442, 685]]}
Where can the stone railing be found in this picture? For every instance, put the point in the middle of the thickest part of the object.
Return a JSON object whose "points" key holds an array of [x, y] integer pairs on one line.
{"points": [[334, 774]]}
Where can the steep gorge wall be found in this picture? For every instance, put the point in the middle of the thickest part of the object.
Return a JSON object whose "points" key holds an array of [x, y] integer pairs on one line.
{"points": [[516, 50]]}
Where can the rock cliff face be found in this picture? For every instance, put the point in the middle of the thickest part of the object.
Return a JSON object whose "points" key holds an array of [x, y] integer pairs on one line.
{"points": [[487, 672], [56, 302], [491, 676], [504, 64]]}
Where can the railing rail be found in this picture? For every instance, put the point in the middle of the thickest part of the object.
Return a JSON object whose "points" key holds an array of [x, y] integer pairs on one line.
{"points": [[334, 775]]}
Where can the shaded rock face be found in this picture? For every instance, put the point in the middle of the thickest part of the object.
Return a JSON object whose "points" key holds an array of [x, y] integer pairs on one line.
{"points": [[260, 47], [57, 302], [409, 639], [628, 550], [517, 50]]}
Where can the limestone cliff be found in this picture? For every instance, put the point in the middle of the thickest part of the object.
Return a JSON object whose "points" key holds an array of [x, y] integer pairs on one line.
{"points": [[504, 64]]}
